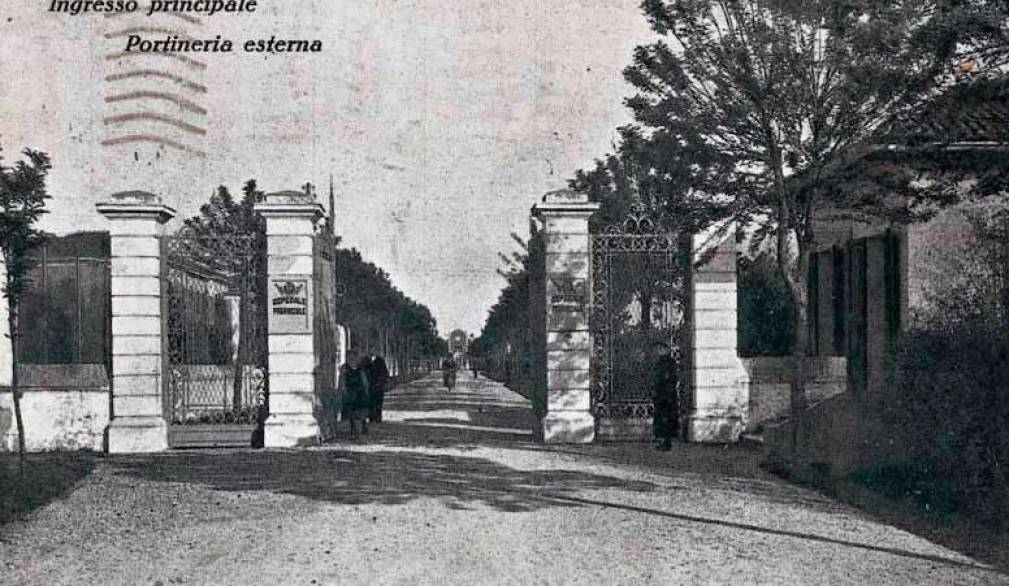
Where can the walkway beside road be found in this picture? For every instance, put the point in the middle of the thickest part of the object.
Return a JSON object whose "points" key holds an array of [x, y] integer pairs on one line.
{"points": [[452, 489]]}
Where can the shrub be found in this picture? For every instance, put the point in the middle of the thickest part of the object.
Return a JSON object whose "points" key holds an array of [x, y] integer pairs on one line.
{"points": [[950, 409], [765, 314]]}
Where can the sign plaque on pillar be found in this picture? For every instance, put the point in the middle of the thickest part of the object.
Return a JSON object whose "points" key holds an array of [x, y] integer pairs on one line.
{"points": [[566, 294], [289, 306]]}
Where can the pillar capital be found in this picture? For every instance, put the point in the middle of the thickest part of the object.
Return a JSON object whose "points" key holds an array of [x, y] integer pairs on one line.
{"points": [[291, 204], [567, 203], [135, 205]]}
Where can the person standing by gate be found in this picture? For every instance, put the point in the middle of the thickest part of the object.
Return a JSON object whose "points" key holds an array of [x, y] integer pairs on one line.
{"points": [[665, 374], [356, 398], [378, 376]]}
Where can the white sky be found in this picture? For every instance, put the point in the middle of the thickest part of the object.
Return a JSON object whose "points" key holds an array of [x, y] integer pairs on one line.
{"points": [[442, 121]]}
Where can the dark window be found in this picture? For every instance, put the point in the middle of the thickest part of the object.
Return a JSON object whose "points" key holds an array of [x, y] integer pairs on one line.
{"points": [[858, 315], [813, 306], [840, 313], [892, 291]]}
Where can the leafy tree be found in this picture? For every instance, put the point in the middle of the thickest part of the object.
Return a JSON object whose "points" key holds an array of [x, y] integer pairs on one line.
{"points": [[765, 318], [780, 95], [380, 316], [508, 347], [22, 202]]}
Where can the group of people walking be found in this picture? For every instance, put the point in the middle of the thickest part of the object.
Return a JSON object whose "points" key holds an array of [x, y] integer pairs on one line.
{"points": [[362, 386]]}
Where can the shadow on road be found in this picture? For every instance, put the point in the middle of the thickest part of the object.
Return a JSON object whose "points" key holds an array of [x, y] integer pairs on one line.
{"points": [[459, 482], [47, 477], [382, 477], [476, 412]]}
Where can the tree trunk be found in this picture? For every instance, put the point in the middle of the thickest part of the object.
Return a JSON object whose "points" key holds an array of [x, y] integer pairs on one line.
{"points": [[794, 272], [800, 356], [12, 322]]}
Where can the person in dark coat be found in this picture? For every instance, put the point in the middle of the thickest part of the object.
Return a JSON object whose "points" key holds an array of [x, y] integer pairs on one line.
{"points": [[449, 367], [378, 376], [665, 377], [356, 398]]}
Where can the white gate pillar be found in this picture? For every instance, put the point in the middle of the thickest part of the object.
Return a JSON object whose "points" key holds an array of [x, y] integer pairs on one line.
{"points": [[718, 381], [568, 417], [290, 225], [136, 221]]}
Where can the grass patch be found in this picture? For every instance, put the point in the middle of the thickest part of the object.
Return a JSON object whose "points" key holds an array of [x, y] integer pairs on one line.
{"points": [[916, 479]]}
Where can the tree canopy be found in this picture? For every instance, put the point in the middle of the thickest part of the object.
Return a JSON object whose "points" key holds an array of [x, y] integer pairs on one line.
{"points": [[378, 314], [375, 311]]}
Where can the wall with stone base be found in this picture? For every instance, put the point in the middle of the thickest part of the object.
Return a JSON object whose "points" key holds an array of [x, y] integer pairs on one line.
{"points": [[64, 407], [770, 389], [828, 440]]}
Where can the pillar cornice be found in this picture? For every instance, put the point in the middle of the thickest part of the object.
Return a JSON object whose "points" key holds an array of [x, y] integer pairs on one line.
{"points": [[291, 204], [135, 205], [565, 203]]}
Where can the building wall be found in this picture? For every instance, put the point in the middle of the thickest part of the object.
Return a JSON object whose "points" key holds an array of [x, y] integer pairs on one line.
{"points": [[64, 407], [885, 274]]}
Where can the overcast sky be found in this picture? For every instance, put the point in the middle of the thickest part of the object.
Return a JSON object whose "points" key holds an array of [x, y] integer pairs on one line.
{"points": [[442, 121]]}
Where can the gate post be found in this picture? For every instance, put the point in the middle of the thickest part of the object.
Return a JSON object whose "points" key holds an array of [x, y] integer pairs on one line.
{"points": [[565, 215], [290, 227], [136, 221], [718, 381]]}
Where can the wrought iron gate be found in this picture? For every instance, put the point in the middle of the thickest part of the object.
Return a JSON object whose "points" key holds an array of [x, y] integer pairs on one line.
{"points": [[637, 301], [214, 339]]}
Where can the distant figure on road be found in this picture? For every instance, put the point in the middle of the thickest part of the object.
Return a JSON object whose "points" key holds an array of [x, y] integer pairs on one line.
{"points": [[665, 374], [474, 367], [449, 368], [356, 398], [378, 377]]}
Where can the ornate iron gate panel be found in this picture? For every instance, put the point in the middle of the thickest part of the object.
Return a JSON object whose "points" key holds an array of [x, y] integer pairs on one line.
{"points": [[214, 337], [637, 301]]}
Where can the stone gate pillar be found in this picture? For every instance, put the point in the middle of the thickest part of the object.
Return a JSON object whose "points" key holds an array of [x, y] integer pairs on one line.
{"points": [[136, 221], [718, 380], [568, 417], [290, 226]]}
